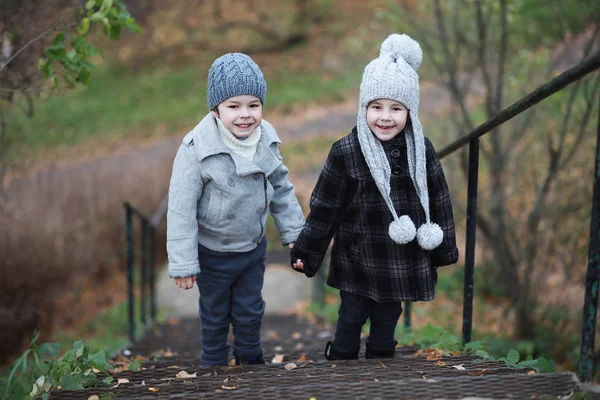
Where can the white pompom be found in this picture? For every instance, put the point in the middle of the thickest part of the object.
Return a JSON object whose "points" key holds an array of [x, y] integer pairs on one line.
{"points": [[430, 236], [404, 46], [402, 230]]}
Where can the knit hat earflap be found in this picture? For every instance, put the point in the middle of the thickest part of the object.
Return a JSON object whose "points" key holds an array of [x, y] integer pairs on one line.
{"points": [[393, 75], [234, 74]]}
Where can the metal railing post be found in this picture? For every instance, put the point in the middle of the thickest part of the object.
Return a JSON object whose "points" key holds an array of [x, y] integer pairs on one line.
{"points": [[130, 254], [590, 305], [467, 325], [144, 268], [152, 265]]}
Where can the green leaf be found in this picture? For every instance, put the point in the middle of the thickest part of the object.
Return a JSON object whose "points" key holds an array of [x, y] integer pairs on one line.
{"points": [[135, 365], [98, 360], [84, 26], [90, 4], [108, 380], [114, 33], [512, 356], [59, 41], [528, 363], [49, 349], [71, 382]]}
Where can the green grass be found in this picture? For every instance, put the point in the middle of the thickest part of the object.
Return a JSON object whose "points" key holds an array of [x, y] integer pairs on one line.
{"points": [[134, 105]]}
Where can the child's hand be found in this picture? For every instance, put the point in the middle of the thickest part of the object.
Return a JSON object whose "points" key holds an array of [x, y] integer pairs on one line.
{"points": [[298, 265], [291, 245], [185, 283]]}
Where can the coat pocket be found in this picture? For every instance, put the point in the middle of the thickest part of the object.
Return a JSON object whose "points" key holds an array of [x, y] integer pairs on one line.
{"points": [[213, 211]]}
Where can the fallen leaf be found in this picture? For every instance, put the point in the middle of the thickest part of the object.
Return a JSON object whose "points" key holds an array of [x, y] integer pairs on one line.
{"points": [[209, 374], [382, 365], [174, 321], [302, 357], [531, 373], [225, 381], [278, 348], [174, 366], [278, 359], [229, 387], [218, 391], [122, 380], [296, 335], [459, 367], [94, 397], [334, 365], [143, 383], [231, 362], [299, 346], [152, 389], [290, 366], [184, 374], [440, 364]]}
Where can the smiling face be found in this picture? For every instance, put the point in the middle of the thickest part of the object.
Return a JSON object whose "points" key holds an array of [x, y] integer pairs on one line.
{"points": [[386, 118], [240, 114]]}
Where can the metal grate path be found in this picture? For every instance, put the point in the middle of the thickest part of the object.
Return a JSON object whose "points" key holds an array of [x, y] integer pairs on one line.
{"points": [[408, 376]]}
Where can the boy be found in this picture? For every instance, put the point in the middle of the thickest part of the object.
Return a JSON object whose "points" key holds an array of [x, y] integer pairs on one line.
{"points": [[227, 176]]}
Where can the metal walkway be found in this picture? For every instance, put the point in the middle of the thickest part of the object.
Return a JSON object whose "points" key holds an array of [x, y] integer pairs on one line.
{"points": [[173, 347]]}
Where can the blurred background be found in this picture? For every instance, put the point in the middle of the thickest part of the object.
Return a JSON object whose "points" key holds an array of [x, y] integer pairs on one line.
{"points": [[71, 156]]}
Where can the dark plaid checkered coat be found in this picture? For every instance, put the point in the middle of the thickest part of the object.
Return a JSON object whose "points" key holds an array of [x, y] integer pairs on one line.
{"points": [[347, 206]]}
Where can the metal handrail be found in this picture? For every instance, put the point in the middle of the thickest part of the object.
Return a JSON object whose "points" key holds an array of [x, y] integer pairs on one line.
{"points": [[577, 72], [147, 265], [593, 275]]}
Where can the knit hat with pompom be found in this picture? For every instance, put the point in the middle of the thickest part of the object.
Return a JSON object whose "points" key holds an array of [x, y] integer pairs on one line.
{"points": [[393, 75]]}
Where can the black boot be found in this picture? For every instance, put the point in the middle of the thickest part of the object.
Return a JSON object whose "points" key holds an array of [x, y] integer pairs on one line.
{"points": [[249, 360], [333, 353], [375, 352]]}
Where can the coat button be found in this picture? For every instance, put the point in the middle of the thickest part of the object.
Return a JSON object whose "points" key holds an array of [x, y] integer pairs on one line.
{"points": [[396, 153], [259, 210], [256, 177], [231, 216], [226, 242], [397, 170], [230, 182]]}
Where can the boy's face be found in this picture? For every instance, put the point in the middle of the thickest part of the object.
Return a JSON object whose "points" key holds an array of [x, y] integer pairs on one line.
{"points": [[386, 118], [240, 114]]}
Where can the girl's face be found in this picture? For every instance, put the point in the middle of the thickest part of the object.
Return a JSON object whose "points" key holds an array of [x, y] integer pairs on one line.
{"points": [[386, 118], [240, 114]]}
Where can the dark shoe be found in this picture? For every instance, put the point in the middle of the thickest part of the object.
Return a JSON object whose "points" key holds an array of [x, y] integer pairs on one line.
{"points": [[375, 352], [333, 353], [249, 360]]}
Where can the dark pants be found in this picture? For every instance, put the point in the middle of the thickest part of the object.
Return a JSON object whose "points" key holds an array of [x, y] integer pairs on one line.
{"points": [[230, 287], [353, 314]]}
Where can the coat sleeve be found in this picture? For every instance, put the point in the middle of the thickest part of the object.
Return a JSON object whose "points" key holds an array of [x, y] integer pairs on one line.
{"points": [[185, 190], [285, 209], [328, 201], [440, 206]]}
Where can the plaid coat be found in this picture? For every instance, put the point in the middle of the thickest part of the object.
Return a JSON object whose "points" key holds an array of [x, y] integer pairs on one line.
{"points": [[347, 206]]}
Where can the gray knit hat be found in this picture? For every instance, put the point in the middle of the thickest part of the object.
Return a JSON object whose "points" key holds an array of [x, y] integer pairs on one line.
{"points": [[234, 74], [393, 75]]}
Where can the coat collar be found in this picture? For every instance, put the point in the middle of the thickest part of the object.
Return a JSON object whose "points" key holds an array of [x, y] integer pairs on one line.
{"points": [[206, 141], [398, 141]]}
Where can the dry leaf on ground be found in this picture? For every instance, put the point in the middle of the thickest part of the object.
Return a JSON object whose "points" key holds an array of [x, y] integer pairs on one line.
{"points": [[291, 365], [278, 359], [152, 389], [302, 357], [229, 387], [184, 374], [94, 397], [459, 367]]}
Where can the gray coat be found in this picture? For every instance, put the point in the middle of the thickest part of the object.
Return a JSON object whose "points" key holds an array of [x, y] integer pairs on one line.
{"points": [[221, 199]]}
